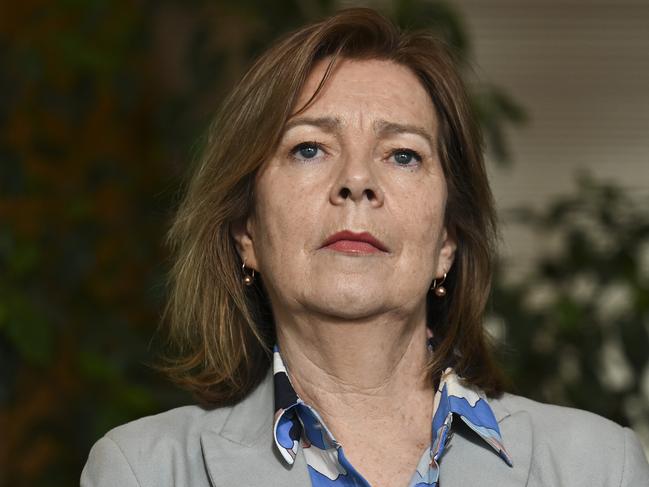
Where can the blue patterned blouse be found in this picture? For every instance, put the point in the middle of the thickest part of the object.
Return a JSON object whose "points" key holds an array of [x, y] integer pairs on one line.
{"points": [[299, 425]]}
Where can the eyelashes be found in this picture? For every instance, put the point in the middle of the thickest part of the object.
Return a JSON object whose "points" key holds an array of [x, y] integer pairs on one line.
{"points": [[404, 157], [306, 151], [311, 150]]}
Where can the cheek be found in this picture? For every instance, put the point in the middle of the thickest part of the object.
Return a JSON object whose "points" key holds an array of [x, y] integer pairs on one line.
{"points": [[423, 221], [282, 224], [423, 242]]}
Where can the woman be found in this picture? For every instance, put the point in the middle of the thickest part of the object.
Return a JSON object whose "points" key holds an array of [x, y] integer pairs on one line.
{"points": [[340, 226]]}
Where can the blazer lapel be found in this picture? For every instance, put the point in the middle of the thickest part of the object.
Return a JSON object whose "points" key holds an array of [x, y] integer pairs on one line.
{"points": [[243, 452], [470, 461]]}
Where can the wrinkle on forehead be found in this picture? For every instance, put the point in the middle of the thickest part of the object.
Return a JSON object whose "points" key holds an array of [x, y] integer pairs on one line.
{"points": [[364, 83]]}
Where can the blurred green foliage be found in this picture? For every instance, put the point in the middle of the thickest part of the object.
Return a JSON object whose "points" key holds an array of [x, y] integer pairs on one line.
{"points": [[101, 106], [575, 328]]}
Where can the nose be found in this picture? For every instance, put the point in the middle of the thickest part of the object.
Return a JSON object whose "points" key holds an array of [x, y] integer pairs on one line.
{"points": [[356, 180]]}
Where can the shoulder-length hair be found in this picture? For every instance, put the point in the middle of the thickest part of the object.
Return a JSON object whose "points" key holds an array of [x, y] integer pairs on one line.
{"points": [[222, 330]]}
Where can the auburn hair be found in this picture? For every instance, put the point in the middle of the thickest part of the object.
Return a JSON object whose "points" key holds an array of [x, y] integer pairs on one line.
{"points": [[222, 331]]}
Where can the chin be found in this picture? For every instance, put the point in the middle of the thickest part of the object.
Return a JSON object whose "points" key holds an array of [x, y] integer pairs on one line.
{"points": [[346, 311], [349, 302]]}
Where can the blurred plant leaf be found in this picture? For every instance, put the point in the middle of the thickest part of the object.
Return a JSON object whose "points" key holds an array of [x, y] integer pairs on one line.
{"points": [[602, 293], [26, 329]]}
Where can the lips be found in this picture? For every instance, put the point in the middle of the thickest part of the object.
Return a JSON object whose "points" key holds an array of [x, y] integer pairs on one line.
{"points": [[356, 243]]}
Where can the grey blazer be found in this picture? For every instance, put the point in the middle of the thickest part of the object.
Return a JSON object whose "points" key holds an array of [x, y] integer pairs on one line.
{"points": [[230, 447]]}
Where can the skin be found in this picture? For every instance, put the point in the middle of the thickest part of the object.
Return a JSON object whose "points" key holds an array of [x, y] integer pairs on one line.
{"points": [[352, 326]]}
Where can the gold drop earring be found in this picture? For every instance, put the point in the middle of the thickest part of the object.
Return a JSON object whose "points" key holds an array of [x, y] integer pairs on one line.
{"points": [[248, 279], [440, 291]]}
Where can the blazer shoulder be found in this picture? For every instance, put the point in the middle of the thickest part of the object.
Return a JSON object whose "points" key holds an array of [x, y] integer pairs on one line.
{"points": [[156, 450], [179, 425], [567, 442], [560, 420]]}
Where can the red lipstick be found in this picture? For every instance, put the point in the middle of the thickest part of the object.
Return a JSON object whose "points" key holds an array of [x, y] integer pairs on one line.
{"points": [[354, 243]]}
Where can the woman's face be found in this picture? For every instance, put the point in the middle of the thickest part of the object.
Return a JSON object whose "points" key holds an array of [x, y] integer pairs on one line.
{"points": [[362, 158]]}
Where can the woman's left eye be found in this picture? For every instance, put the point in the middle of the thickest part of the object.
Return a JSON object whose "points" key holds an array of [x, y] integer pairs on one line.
{"points": [[306, 151], [405, 157]]}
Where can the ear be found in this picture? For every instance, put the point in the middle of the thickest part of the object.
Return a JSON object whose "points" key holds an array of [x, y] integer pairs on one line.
{"points": [[241, 232], [446, 255]]}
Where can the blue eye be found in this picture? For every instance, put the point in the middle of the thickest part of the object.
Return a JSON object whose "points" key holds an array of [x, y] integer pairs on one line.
{"points": [[305, 151], [404, 157]]}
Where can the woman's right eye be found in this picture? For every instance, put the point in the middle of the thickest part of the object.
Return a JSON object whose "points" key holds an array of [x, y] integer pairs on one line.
{"points": [[306, 151]]}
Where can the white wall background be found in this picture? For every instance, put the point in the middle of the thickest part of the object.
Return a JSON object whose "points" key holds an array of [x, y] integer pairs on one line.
{"points": [[581, 70]]}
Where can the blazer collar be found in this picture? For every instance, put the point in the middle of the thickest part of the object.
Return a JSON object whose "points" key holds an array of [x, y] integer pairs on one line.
{"points": [[242, 452]]}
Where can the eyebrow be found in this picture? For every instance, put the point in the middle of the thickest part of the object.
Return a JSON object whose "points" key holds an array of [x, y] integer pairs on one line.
{"points": [[381, 127], [328, 124]]}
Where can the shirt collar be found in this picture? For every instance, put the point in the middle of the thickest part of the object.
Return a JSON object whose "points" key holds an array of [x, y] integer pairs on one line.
{"points": [[452, 399]]}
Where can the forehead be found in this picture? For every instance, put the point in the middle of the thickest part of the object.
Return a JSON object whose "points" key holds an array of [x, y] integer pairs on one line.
{"points": [[370, 88]]}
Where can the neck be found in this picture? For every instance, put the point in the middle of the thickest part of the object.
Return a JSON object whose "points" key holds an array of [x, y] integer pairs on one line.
{"points": [[371, 367]]}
